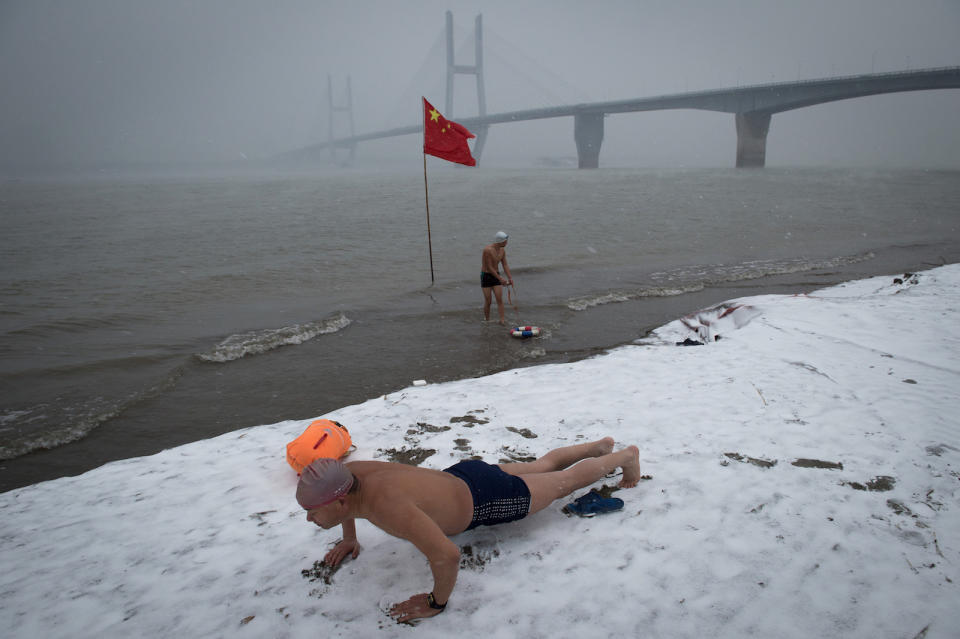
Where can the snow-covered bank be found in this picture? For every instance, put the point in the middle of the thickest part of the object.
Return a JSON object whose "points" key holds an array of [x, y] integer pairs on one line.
{"points": [[803, 483]]}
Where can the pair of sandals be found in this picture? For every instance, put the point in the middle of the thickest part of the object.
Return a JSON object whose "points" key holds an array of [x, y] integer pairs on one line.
{"points": [[593, 503]]}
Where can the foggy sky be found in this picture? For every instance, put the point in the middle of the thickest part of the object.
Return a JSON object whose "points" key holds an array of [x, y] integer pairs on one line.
{"points": [[89, 83]]}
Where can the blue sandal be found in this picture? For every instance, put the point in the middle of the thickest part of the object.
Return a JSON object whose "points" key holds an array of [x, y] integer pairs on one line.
{"points": [[593, 503]]}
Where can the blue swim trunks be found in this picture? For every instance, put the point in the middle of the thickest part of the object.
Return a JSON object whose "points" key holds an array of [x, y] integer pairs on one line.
{"points": [[497, 496]]}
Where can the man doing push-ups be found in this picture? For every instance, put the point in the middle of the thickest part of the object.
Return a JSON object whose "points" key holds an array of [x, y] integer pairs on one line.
{"points": [[426, 506]]}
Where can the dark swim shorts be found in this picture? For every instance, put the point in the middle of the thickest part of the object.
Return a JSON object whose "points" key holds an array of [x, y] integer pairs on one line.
{"points": [[487, 280], [497, 496]]}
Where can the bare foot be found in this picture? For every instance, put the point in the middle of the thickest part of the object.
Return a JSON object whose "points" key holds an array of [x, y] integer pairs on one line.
{"points": [[631, 468], [603, 447]]}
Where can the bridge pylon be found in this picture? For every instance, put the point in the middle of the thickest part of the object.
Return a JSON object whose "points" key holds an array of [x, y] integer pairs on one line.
{"points": [[588, 134], [752, 129], [476, 70], [346, 108]]}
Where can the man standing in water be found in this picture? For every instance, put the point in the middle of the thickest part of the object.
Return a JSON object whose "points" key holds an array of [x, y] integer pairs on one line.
{"points": [[490, 279], [426, 506]]}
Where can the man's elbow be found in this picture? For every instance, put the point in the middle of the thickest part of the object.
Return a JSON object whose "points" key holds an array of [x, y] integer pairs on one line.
{"points": [[448, 556]]}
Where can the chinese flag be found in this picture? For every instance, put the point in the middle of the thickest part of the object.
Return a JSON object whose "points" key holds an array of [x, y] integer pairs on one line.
{"points": [[445, 139]]}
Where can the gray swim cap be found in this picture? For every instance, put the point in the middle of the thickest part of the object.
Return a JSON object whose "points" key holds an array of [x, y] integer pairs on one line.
{"points": [[500, 237], [323, 482]]}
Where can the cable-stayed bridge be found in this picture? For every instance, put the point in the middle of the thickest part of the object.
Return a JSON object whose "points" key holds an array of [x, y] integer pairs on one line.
{"points": [[752, 106]]}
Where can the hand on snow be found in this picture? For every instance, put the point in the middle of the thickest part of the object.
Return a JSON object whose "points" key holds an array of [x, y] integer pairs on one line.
{"points": [[343, 548]]}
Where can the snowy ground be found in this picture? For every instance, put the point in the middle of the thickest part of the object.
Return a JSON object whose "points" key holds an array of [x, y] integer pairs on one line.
{"points": [[803, 482]]}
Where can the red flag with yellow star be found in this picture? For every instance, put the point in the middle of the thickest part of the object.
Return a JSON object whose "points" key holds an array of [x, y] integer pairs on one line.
{"points": [[445, 139]]}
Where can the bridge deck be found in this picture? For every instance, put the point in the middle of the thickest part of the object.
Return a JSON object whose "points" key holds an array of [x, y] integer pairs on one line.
{"points": [[762, 98]]}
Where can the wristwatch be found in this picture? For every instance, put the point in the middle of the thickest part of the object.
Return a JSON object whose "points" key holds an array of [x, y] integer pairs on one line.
{"points": [[432, 602]]}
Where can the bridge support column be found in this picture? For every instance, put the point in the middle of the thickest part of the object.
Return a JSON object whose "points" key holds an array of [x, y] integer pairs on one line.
{"points": [[481, 133], [588, 133], [476, 69], [348, 108], [752, 131]]}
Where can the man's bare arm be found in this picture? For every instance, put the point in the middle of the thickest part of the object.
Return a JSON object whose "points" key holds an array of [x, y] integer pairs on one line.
{"points": [[506, 269], [410, 523], [347, 546]]}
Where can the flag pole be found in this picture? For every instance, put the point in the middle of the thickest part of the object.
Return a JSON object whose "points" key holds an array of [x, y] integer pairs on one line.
{"points": [[446, 140], [426, 192]]}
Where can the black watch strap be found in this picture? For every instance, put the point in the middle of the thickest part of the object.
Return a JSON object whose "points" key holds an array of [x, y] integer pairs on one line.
{"points": [[432, 602]]}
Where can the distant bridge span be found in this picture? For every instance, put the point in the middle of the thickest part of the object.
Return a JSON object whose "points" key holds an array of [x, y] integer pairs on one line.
{"points": [[752, 106]]}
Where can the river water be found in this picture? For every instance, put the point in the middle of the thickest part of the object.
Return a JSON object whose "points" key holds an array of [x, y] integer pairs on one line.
{"points": [[140, 313]]}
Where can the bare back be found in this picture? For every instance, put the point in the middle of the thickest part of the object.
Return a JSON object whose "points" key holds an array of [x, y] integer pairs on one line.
{"points": [[444, 498], [491, 258]]}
